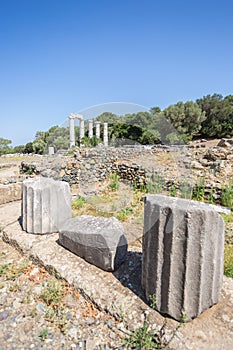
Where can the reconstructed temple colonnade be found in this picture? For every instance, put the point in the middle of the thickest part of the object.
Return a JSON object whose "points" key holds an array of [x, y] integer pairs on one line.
{"points": [[74, 116]]}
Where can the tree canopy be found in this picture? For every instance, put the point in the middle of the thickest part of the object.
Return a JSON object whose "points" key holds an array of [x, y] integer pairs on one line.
{"points": [[210, 116]]}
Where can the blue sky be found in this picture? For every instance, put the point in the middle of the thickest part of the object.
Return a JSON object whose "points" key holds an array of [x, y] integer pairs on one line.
{"points": [[62, 56]]}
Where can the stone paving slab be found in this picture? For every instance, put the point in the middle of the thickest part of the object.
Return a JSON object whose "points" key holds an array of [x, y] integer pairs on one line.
{"points": [[121, 298]]}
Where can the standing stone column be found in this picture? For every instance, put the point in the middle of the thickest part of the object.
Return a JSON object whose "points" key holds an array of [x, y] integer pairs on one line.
{"points": [[81, 129], [105, 134], [46, 204], [90, 129], [97, 129], [72, 133], [183, 254]]}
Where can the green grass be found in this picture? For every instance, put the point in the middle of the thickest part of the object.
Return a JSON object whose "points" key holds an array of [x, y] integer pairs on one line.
{"points": [[13, 271], [43, 334], [144, 339], [78, 203], [228, 260]]}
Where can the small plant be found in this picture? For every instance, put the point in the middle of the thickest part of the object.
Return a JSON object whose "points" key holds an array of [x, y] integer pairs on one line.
{"points": [[152, 300], [228, 260], [43, 334], [186, 190], [114, 181], [12, 271], [183, 317], [154, 184], [78, 203], [211, 198], [53, 292], [143, 338], [227, 196], [124, 213], [173, 190], [199, 190], [52, 296]]}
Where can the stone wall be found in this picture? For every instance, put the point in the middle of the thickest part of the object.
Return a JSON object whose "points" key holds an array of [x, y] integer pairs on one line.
{"points": [[137, 165], [10, 192]]}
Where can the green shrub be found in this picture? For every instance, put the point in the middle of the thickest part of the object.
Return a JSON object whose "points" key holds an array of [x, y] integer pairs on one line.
{"points": [[114, 181], [199, 190], [227, 196]]}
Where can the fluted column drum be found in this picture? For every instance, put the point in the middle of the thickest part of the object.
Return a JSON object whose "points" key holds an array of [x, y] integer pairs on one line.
{"points": [[46, 204], [183, 255]]}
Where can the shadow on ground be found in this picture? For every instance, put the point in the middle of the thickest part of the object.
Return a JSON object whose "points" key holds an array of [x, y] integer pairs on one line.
{"points": [[130, 272]]}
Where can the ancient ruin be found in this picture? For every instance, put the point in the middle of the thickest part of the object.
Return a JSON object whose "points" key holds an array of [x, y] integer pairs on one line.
{"points": [[100, 241], [183, 254], [46, 204], [74, 116]]}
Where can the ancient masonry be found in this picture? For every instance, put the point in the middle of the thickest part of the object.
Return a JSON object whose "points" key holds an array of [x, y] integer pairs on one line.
{"points": [[46, 204], [182, 252], [74, 116], [182, 259]]}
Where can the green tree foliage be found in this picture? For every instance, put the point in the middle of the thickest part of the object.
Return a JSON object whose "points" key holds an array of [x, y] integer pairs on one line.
{"points": [[219, 115], [108, 117], [186, 118], [18, 149], [5, 146], [28, 148]]}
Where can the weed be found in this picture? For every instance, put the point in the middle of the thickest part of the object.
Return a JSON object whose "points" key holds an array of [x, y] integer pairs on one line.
{"points": [[12, 271], [183, 317], [143, 338], [228, 260], [52, 295], [228, 218], [154, 184], [124, 213], [211, 199], [114, 181], [78, 203], [186, 190], [152, 300], [199, 190], [53, 292], [227, 196], [43, 334], [173, 190]]}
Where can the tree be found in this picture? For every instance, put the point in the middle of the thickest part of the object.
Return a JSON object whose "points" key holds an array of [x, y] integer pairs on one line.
{"points": [[39, 146], [186, 118], [18, 149], [108, 117], [219, 115], [28, 148], [4, 146]]}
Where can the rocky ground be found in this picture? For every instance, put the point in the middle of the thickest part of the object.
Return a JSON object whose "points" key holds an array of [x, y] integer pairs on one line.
{"points": [[37, 311]]}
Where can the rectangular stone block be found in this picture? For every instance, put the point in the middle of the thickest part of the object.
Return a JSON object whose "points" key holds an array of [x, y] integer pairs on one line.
{"points": [[100, 241], [46, 204], [183, 255]]}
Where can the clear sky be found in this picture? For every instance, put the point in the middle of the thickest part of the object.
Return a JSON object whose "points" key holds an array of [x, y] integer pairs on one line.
{"points": [[62, 56]]}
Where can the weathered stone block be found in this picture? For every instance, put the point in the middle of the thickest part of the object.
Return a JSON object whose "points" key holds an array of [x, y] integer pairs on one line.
{"points": [[100, 241], [183, 250], [46, 204]]}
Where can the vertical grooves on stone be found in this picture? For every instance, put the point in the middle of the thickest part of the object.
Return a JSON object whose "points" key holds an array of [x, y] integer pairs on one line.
{"points": [[23, 206], [218, 261], [199, 267], [166, 267], [29, 210], [41, 212], [185, 267]]}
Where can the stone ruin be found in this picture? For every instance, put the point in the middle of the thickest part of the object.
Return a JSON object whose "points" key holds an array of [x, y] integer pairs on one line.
{"points": [[46, 208], [182, 251]]}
